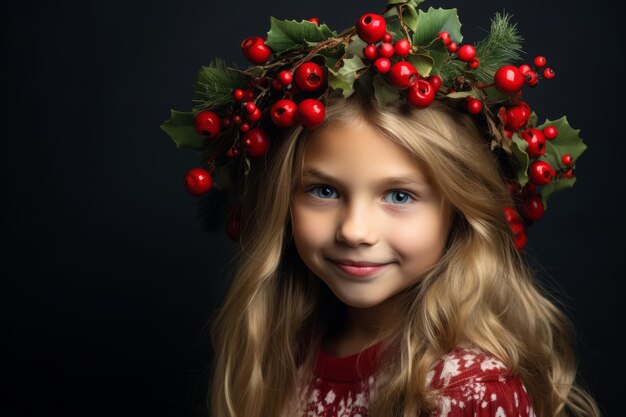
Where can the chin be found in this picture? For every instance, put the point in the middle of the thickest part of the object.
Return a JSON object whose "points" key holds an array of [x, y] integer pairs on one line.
{"points": [[356, 301]]}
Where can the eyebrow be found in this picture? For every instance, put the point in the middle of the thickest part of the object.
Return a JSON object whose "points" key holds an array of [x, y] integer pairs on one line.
{"points": [[396, 180]]}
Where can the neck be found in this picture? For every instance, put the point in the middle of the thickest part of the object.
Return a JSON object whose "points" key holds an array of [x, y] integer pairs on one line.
{"points": [[361, 326]]}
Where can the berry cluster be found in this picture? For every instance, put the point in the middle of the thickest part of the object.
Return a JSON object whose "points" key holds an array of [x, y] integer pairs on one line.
{"points": [[515, 117], [380, 51], [245, 116]]}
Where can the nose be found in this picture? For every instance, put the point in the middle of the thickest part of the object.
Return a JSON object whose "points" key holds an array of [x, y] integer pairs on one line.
{"points": [[357, 225]]}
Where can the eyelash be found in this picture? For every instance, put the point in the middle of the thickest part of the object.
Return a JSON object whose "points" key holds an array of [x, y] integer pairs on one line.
{"points": [[317, 187]]}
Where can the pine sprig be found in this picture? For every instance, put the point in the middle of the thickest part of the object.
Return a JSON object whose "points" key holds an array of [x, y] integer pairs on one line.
{"points": [[502, 46], [452, 70], [214, 85]]}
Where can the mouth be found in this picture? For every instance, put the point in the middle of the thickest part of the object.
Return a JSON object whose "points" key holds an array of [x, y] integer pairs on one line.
{"points": [[358, 268]]}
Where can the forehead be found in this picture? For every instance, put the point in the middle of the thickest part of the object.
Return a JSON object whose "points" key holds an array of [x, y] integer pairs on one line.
{"points": [[357, 150]]}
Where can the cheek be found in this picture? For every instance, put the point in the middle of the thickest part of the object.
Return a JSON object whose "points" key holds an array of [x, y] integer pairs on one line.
{"points": [[421, 239], [309, 230]]}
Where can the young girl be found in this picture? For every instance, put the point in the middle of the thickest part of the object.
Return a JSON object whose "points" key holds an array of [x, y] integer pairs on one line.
{"points": [[377, 274]]}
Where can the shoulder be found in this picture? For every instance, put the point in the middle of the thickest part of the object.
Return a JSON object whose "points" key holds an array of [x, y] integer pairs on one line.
{"points": [[474, 383]]}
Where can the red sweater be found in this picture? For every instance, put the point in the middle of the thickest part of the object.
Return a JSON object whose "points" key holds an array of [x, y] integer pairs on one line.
{"points": [[473, 383]]}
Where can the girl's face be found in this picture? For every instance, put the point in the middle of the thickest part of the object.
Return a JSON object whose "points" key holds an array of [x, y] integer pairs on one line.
{"points": [[363, 199]]}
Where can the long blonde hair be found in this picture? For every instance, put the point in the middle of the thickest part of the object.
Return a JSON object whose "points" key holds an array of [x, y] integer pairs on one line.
{"points": [[480, 293]]}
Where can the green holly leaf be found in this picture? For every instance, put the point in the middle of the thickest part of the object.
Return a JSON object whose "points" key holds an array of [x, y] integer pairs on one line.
{"points": [[413, 3], [356, 47], [532, 121], [519, 147], [434, 21], [410, 17], [423, 63], [287, 34], [332, 56], [344, 78], [384, 92], [438, 52], [495, 96], [552, 187], [568, 141], [214, 85], [181, 129], [393, 26]]}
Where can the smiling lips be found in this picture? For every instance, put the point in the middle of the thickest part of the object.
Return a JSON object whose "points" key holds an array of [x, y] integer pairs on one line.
{"points": [[359, 269]]}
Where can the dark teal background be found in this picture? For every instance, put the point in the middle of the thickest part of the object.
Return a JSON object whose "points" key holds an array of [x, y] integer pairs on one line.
{"points": [[108, 281]]}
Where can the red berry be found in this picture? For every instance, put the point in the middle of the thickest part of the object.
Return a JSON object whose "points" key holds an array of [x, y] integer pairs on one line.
{"points": [[474, 63], [237, 119], [232, 152], [386, 50], [387, 37], [540, 172], [285, 77], [226, 122], [466, 53], [382, 65], [445, 36], [510, 214], [309, 76], [403, 74], [370, 52], [550, 132], [536, 142], [512, 187], [314, 20], [244, 127], [452, 47], [238, 94], [277, 85], [255, 116], [402, 48], [208, 124], [532, 208], [371, 27], [311, 113], [516, 227], [250, 107], [198, 181], [540, 61], [531, 79], [528, 190], [548, 73], [248, 95], [256, 142], [517, 116], [569, 174], [421, 93], [283, 113], [525, 68], [474, 105], [255, 50], [567, 159], [520, 240], [435, 81], [508, 79]]}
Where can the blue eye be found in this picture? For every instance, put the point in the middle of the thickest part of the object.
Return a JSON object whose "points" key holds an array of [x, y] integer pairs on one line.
{"points": [[326, 191], [403, 197]]}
